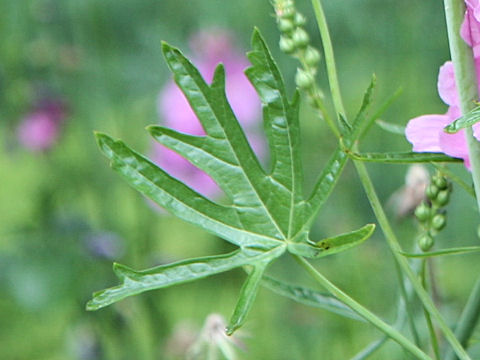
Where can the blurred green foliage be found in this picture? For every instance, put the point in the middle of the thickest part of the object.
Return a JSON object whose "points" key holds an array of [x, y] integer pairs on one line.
{"points": [[103, 58]]}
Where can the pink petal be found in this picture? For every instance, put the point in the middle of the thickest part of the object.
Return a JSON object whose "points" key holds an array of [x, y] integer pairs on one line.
{"points": [[447, 89], [470, 28], [455, 145], [423, 132]]}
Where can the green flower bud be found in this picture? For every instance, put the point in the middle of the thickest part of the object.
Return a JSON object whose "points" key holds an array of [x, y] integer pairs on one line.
{"points": [[312, 56], [440, 181], [285, 25], [287, 45], [443, 197], [422, 212], [439, 221], [432, 191], [300, 38], [286, 10], [299, 19], [426, 242], [304, 79]]}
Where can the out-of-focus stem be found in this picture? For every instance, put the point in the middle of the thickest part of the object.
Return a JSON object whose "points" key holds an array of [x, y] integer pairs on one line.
{"points": [[362, 311], [372, 196], [396, 250], [428, 319]]}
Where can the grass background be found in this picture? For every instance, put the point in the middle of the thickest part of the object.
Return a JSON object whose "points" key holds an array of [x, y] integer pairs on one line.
{"points": [[104, 59]]}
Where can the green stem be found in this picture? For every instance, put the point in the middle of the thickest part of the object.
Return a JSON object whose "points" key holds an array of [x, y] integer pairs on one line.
{"points": [[408, 305], [428, 319], [468, 319], [372, 196], [466, 80], [362, 311], [396, 250], [329, 58]]}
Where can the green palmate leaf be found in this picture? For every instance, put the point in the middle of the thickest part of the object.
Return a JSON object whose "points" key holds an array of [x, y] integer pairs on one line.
{"points": [[332, 245], [309, 297], [442, 252], [267, 211], [467, 120], [391, 128]]}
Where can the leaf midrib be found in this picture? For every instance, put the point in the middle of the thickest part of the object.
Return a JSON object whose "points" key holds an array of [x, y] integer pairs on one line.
{"points": [[290, 147]]}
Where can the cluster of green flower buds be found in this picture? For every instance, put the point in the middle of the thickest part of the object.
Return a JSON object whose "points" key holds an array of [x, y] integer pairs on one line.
{"points": [[295, 41], [430, 214]]}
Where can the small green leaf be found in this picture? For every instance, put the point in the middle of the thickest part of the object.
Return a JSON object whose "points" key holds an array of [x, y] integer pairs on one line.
{"points": [[391, 128], [332, 245], [136, 282], [366, 102], [401, 157], [247, 296], [467, 120], [451, 251], [310, 297], [344, 125], [379, 112]]}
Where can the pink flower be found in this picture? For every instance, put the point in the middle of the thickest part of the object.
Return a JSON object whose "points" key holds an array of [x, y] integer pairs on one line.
{"points": [[209, 48], [426, 132], [40, 129]]}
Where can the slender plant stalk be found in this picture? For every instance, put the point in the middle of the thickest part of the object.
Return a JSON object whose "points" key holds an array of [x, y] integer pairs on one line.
{"points": [[361, 310], [404, 313], [408, 305], [466, 80], [372, 196], [396, 249], [428, 319], [329, 58]]}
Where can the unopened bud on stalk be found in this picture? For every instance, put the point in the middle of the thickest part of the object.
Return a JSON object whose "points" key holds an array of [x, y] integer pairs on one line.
{"points": [[440, 181], [304, 79], [299, 19], [443, 197], [432, 191], [287, 45], [422, 212], [312, 56], [285, 25], [426, 242], [300, 38], [439, 221], [285, 9]]}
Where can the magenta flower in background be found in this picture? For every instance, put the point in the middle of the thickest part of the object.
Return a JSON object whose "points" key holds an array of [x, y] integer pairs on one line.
{"points": [[40, 129], [426, 132], [209, 48]]}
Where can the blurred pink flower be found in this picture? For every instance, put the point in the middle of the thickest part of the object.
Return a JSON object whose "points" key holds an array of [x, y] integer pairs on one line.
{"points": [[426, 132], [40, 129], [209, 48]]}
